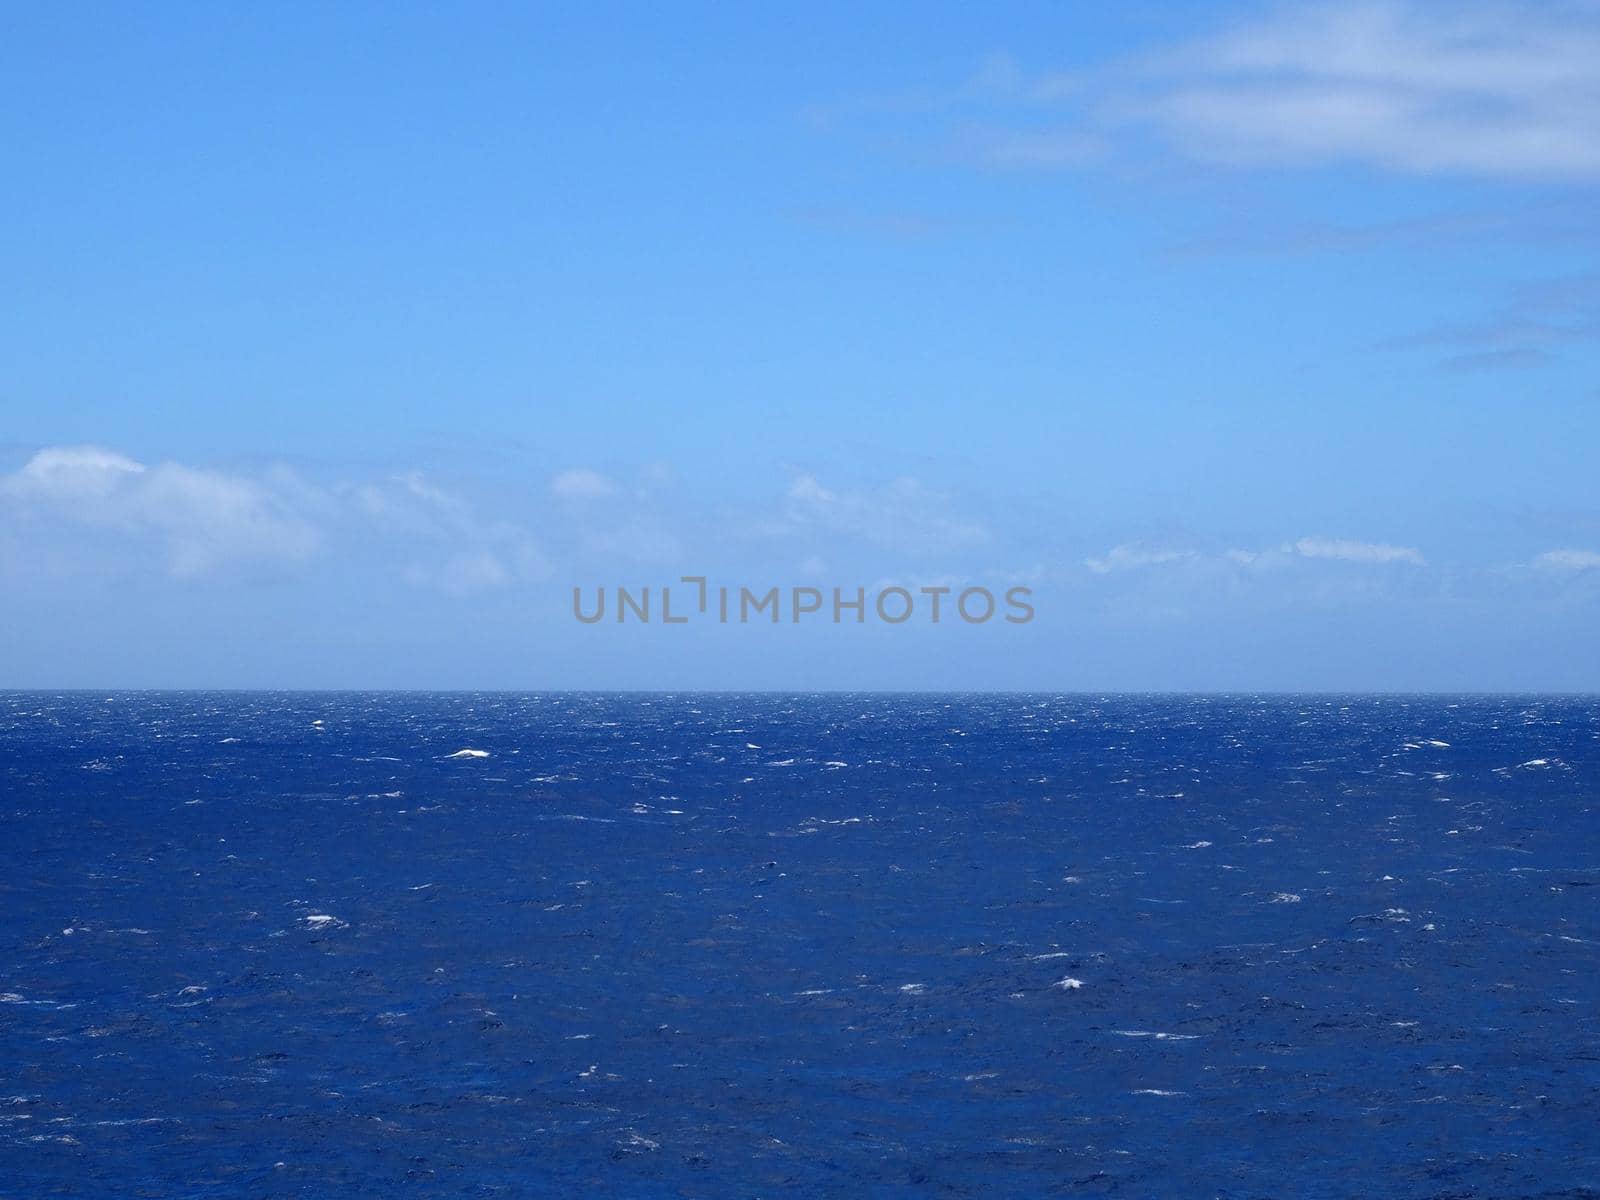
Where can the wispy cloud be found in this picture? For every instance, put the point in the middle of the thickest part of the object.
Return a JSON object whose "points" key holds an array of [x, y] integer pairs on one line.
{"points": [[1512, 358], [905, 515], [1480, 88], [1130, 557], [1533, 321], [581, 483], [1501, 90], [1569, 560], [441, 540], [1347, 550], [1490, 89], [1563, 221]]}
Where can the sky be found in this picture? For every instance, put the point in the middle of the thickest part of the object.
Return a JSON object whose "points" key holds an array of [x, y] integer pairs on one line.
{"points": [[344, 342]]}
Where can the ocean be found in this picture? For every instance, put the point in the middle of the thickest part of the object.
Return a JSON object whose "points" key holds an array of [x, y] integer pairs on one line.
{"points": [[303, 944]]}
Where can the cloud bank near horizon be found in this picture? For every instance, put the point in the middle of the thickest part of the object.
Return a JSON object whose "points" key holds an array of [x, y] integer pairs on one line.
{"points": [[454, 582], [88, 509]]}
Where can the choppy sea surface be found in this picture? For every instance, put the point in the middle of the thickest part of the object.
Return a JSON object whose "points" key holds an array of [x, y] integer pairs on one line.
{"points": [[301, 944]]}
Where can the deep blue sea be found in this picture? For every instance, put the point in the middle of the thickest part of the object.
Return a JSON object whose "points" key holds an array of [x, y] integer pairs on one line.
{"points": [[262, 945]]}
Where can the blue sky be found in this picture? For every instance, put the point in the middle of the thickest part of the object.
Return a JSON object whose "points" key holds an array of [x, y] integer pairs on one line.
{"points": [[1259, 340]]}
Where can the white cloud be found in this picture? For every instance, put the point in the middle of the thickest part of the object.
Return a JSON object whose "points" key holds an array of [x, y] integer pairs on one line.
{"points": [[70, 473], [198, 519], [1129, 557], [654, 477], [1345, 550], [1484, 88], [416, 485], [89, 509], [1400, 84], [1569, 560], [460, 574], [903, 515], [450, 547], [807, 490], [580, 483]]}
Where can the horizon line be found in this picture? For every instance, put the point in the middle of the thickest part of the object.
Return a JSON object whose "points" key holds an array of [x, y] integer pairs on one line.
{"points": [[1119, 692]]}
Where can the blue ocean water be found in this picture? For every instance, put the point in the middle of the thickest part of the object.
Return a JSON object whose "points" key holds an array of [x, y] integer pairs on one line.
{"points": [[749, 945]]}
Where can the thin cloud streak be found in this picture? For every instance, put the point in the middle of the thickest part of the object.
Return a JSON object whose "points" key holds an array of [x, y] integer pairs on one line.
{"points": [[1491, 90]]}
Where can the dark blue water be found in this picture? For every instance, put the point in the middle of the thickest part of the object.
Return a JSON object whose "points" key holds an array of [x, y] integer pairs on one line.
{"points": [[744, 946]]}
